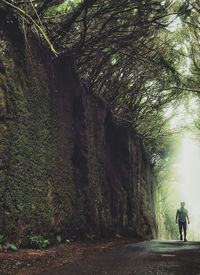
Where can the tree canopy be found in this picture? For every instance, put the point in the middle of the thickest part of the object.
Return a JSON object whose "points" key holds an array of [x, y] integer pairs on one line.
{"points": [[125, 52]]}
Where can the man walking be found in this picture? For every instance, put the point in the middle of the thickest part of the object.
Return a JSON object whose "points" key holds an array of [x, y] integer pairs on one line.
{"points": [[181, 217]]}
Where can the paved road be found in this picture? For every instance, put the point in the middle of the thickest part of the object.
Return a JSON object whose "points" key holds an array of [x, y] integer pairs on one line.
{"points": [[150, 257]]}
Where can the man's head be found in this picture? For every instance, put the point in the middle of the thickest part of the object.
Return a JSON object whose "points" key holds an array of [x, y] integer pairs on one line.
{"points": [[182, 204]]}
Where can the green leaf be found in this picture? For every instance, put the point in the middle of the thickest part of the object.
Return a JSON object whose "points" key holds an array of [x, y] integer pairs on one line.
{"points": [[11, 246], [58, 238]]}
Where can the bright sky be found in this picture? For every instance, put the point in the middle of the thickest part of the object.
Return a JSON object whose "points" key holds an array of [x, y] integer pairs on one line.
{"points": [[181, 116], [175, 23]]}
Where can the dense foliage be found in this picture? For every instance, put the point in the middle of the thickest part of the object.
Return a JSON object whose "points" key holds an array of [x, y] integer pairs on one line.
{"points": [[124, 51]]}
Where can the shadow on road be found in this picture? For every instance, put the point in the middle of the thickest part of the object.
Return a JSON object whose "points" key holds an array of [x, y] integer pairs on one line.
{"points": [[148, 257]]}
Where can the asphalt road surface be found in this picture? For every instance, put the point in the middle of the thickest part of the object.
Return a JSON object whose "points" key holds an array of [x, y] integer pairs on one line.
{"points": [[149, 257]]}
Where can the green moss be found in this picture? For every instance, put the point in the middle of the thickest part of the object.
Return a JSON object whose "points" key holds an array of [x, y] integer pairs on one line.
{"points": [[2, 104], [24, 135], [36, 175], [38, 193]]}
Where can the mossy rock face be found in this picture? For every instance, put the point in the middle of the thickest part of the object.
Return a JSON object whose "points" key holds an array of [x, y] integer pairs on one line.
{"points": [[36, 174], [65, 167], [25, 123], [2, 104]]}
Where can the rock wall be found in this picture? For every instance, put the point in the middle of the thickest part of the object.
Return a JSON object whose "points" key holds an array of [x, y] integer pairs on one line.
{"points": [[65, 166]]}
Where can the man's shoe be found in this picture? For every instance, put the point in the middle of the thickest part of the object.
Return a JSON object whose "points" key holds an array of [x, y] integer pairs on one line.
{"points": [[185, 240], [181, 238]]}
